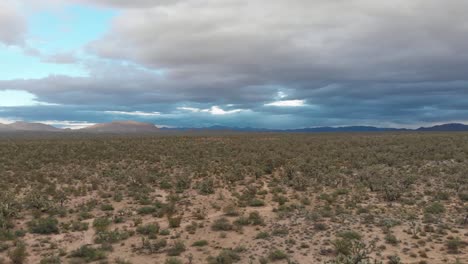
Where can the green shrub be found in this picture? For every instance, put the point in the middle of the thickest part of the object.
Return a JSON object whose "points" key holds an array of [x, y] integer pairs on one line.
{"points": [[101, 224], [256, 203], [242, 221], [255, 218], [174, 222], [453, 245], [51, 260], [107, 207], [176, 249], [231, 210], [463, 196], [391, 239], [277, 254], [206, 186], [44, 226], [79, 226], [435, 208], [111, 237], [88, 253], [262, 235], [342, 246], [146, 210], [350, 235], [222, 224], [226, 256], [19, 254], [200, 243], [173, 260], [148, 230]]}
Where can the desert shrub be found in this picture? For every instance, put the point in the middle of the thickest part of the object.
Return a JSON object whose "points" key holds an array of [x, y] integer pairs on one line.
{"points": [[391, 239], [435, 208], [222, 224], [176, 249], [342, 246], [453, 245], [107, 207], [19, 254], [280, 199], [44, 226], [350, 235], [146, 210], [173, 260], [231, 210], [88, 253], [160, 243], [256, 202], [226, 256], [84, 215], [262, 235], [442, 195], [463, 196], [255, 218], [242, 221], [320, 226], [182, 182], [79, 226], [174, 222], [111, 237], [206, 186], [101, 224], [394, 259], [164, 232], [4, 246], [200, 243], [150, 230], [277, 254], [192, 228], [51, 260], [280, 231]]}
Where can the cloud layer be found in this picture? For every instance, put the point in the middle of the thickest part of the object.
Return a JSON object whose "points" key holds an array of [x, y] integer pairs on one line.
{"points": [[292, 63]]}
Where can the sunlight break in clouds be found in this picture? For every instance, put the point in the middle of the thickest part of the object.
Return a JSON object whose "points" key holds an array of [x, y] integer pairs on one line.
{"points": [[214, 110], [134, 113], [287, 103], [67, 124]]}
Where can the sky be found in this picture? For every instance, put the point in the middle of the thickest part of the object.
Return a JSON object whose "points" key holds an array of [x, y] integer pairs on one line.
{"points": [[244, 63]]}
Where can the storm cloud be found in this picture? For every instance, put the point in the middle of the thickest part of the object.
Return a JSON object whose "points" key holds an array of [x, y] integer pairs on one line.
{"points": [[333, 62]]}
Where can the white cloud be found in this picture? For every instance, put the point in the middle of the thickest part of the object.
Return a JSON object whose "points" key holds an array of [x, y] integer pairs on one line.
{"points": [[12, 24], [134, 113], [281, 95], [191, 109], [287, 103], [13, 98], [214, 110], [6, 120], [67, 124]]}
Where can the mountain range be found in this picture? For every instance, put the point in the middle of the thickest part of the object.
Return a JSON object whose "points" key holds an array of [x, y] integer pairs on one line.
{"points": [[124, 127]]}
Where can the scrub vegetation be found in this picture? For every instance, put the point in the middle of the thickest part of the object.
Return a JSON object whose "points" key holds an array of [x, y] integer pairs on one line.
{"points": [[237, 198]]}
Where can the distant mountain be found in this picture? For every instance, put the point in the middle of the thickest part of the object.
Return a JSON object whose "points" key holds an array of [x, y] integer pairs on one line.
{"points": [[301, 130], [121, 127], [445, 127], [37, 127], [5, 128]]}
